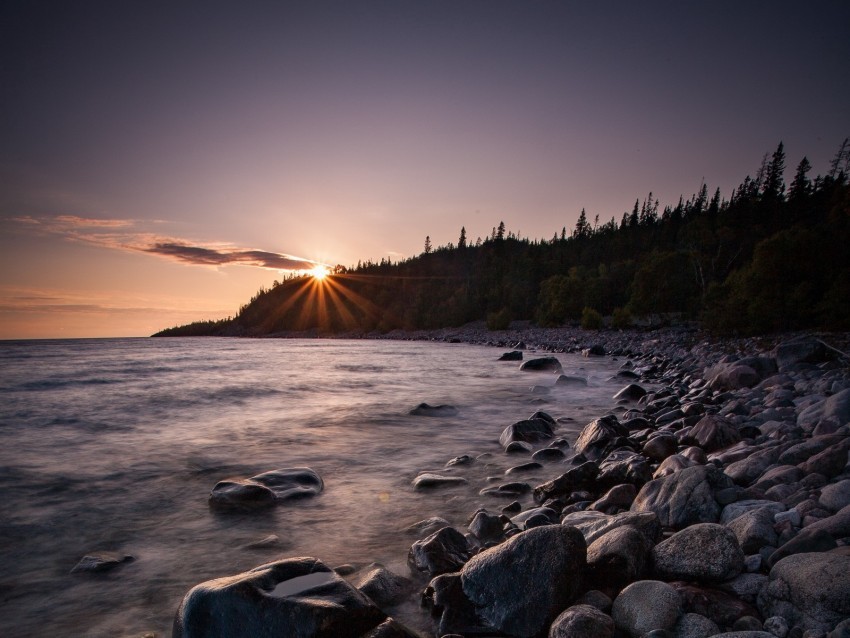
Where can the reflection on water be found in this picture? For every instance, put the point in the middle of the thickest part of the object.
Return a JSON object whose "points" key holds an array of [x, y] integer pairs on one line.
{"points": [[114, 446]]}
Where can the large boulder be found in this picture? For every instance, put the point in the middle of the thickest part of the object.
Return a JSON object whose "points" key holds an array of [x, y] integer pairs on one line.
{"points": [[529, 430], [705, 553], [520, 586], [748, 469], [683, 498], [733, 376], [293, 597], [598, 436], [802, 350], [836, 496], [713, 433], [582, 621], [754, 529], [809, 590], [617, 558], [266, 489], [645, 606]]}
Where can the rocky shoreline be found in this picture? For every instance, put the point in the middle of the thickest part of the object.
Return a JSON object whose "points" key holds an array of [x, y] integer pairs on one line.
{"points": [[713, 501]]}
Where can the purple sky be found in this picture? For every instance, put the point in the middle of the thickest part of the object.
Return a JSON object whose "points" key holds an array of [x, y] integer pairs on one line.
{"points": [[160, 161]]}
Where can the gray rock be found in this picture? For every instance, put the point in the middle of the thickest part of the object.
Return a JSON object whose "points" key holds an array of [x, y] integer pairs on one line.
{"points": [[294, 597], [529, 430], [598, 435], [633, 614], [695, 626], [623, 466], [423, 409], [734, 377], [427, 526], [836, 496], [831, 462], [593, 525], [801, 452], [746, 586], [429, 480], [777, 626], [713, 432], [515, 355], [834, 409], [631, 392], [744, 634], [503, 583], [809, 590], [542, 364], [100, 562], [597, 599], [754, 530], [683, 498], [807, 541], [446, 550], [582, 621], [487, 527], [523, 517], [617, 558], [266, 489], [739, 508], [719, 606], [575, 479], [660, 447], [383, 586], [565, 380], [672, 464], [802, 350], [705, 553], [748, 469], [618, 498]]}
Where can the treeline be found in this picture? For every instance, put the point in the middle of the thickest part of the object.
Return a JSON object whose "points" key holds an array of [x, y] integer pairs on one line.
{"points": [[770, 257]]}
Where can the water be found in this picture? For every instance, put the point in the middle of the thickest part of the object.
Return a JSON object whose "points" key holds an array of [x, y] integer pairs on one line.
{"points": [[114, 445]]}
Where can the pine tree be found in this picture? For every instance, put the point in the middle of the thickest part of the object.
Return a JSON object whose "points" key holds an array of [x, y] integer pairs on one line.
{"points": [[461, 242], [427, 244], [582, 227], [840, 164], [773, 186], [500, 231], [801, 186]]}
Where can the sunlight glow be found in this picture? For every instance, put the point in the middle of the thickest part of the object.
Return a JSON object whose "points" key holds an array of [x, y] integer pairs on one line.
{"points": [[319, 272]]}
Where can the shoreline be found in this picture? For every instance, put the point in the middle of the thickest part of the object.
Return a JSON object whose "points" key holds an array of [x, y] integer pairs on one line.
{"points": [[740, 453]]}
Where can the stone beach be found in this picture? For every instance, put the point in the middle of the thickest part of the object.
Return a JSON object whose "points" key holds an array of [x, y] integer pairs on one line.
{"points": [[713, 499]]}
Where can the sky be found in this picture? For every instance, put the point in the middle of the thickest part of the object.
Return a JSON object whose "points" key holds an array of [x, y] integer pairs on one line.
{"points": [[161, 161]]}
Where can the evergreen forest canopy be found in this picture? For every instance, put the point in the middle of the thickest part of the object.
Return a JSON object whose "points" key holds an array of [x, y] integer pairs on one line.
{"points": [[769, 258]]}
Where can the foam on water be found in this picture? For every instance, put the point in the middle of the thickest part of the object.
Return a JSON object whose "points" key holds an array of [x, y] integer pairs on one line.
{"points": [[114, 446]]}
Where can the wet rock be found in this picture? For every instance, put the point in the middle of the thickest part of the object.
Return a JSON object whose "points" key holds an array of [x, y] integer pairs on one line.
{"points": [[804, 450], [463, 459], [695, 626], [429, 480], [423, 409], [266, 489], [99, 562], [598, 435], [267, 542], [518, 447], [535, 514], [503, 583], [748, 469], [582, 621], [616, 499], [596, 350], [506, 489], [542, 364], [548, 454], [446, 550], [532, 466], [623, 466], [383, 586], [713, 433], [515, 355], [292, 597], [633, 615], [427, 526], [809, 590], [660, 447], [617, 558], [487, 527], [595, 524], [631, 392], [683, 498], [704, 552], [529, 430], [570, 481]]}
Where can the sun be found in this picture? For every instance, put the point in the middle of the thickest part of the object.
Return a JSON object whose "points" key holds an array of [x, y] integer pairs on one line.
{"points": [[319, 272]]}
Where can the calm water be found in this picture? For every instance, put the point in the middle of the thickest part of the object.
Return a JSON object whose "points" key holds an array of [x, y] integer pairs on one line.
{"points": [[114, 445]]}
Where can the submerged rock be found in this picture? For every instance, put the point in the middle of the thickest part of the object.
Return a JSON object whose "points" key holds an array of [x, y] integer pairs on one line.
{"points": [[429, 480], [515, 355], [100, 562], [423, 409]]}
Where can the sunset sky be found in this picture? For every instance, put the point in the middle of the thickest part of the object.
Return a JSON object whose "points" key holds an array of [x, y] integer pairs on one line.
{"points": [[160, 161]]}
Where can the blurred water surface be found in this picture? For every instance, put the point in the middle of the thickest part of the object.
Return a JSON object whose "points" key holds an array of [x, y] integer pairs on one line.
{"points": [[114, 445]]}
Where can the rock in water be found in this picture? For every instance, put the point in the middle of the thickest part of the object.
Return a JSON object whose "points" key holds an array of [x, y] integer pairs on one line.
{"points": [[529, 430], [705, 553], [809, 590], [631, 392], [100, 562], [446, 550], [293, 597], [429, 480], [520, 586], [515, 355], [266, 489], [423, 409], [542, 364]]}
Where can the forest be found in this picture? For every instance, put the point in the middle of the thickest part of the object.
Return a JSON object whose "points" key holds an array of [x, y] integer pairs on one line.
{"points": [[771, 257]]}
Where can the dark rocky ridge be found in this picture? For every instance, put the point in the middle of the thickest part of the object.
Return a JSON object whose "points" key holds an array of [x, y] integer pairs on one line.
{"points": [[723, 492]]}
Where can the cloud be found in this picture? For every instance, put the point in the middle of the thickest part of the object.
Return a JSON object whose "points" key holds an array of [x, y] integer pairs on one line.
{"points": [[125, 234]]}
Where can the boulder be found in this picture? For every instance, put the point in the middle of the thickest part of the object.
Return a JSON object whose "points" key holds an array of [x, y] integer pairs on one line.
{"points": [[634, 614], [446, 550], [695, 626], [582, 621], [734, 377], [598, 435], [836, 496], [596, 350], [631, 392], [834, 409], [809, 590], [748, 469], [802, 350], [722, 608], [542, 364], [704, 552], [515, 355], [577, 478], [383, 586], [713, 432], [266, 489], [617, 558], [671, 464], [623, 465], [423, 409], [807, 541], [739, 508], [529, 430], [293, 597], [830, 462], [98, 562], [593, 525], [520, 586], [618, 498], [754, 530], [571, 380], [683, 498], [660, 447]]}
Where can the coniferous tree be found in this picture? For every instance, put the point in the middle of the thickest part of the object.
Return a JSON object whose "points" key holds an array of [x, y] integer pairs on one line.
{"points": [[427, 244], [773, 186], [801, 186], [461, 242]]}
